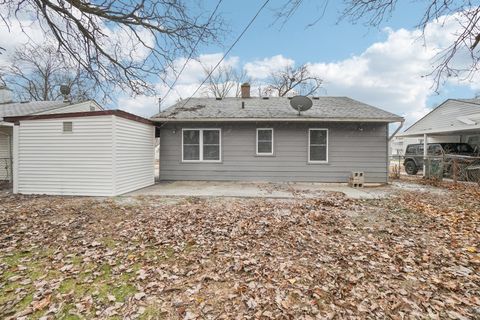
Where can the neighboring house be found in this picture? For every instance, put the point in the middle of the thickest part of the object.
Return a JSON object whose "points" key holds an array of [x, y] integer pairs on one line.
{"points": [[454, 120], [97, 153], [9, 109], [264, 139]]}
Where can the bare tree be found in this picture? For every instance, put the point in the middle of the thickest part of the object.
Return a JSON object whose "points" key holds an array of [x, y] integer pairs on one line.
{"points": [[299, 80], [224, 81], [465, 12], [119, 43], [37, 72]]}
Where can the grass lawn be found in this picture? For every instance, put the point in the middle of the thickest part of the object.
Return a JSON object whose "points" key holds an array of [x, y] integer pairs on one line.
{"points": [[411, 255]]}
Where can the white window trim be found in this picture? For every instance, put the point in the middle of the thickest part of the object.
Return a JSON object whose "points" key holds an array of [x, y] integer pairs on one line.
{"points": [[256, 144], [201, 145], [317, 161]]}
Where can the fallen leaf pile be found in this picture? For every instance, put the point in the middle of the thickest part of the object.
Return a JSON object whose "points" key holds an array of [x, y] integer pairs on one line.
{"points": [[408, 256]]}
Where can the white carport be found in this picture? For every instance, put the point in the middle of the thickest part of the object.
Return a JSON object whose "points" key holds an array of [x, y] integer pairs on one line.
{"points": [[99, 153], [455, 120]]}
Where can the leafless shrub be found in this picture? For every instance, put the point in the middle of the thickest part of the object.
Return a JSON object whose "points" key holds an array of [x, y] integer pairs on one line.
{"points": [[299, 80], [224, 81]]}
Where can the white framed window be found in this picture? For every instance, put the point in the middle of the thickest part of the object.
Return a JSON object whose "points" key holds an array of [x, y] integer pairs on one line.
{"points": [[317, 145], [264, 142], [201, 145]]}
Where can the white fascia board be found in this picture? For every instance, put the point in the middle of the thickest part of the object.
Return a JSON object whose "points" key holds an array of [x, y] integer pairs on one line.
{"points": [[438, 131]]}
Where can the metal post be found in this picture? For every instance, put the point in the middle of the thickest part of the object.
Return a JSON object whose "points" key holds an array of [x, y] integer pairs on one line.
{"points": [[425, 146]]}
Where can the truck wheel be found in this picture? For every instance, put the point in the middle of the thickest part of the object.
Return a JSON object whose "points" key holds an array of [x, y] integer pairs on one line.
{"points": [[411, 167]]}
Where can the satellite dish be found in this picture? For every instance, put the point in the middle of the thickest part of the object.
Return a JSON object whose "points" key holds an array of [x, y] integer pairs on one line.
{"points": [[301, 103], [64, 89]]}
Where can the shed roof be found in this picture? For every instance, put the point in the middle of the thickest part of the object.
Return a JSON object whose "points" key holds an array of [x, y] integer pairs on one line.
{"points": [[273, 109], [118, 113], [13, 109]]}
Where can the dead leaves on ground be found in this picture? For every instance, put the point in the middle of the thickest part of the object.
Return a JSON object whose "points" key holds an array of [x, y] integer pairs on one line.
{"points": [[409, 256]]}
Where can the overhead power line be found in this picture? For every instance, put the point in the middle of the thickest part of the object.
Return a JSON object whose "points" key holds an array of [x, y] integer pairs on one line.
{"points": [[170, 88], [228, 51]]}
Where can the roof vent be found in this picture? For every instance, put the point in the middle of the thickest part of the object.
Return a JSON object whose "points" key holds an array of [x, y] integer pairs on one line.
{"points": [[316, 98], [218, 98], [265, 98]]}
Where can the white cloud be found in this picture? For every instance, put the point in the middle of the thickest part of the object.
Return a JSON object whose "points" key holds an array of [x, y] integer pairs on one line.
{"points": [[392, 74], [261, 69], [18, 33]]}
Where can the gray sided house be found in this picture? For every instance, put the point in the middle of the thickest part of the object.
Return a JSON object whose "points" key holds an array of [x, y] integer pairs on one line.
{"points": [[264, 139]]}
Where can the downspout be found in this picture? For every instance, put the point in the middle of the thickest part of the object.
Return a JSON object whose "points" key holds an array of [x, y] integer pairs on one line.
{"points": [[396, 131], [388, 144]]}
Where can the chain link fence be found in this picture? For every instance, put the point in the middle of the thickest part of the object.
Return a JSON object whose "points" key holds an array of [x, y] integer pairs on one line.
{"points": [[5, 172], [454, 167]]}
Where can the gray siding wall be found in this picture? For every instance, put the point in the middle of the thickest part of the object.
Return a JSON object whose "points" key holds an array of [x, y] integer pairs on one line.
{"points": [[350, 149]]}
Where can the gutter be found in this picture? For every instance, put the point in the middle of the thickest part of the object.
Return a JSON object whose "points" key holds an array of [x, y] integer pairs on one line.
{"points": [[280, 120], [396, 131]]}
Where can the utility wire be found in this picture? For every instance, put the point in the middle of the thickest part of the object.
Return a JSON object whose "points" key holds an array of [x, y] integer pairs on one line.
{"points": [[170, 88], [228, 51]]}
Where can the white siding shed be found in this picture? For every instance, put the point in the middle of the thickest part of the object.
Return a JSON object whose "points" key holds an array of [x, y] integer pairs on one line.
{"points": [[99, 153]]}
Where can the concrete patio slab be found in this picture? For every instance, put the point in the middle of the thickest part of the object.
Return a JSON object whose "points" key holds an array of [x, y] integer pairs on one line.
{"points": [[254, 190]]}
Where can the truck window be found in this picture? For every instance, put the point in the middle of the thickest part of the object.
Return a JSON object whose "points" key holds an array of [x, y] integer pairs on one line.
{"points": [[410, 149], [434, 150]]}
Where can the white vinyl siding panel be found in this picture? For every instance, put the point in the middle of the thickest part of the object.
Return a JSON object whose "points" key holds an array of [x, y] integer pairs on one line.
{"points": [[103, 156], [447, 117], [134, 153], [52, 162], [350, 149]]}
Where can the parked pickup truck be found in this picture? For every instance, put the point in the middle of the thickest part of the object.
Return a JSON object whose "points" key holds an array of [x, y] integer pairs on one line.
{"points": [[414, 155]]}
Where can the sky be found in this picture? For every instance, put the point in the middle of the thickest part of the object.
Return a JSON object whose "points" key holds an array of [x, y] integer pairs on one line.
{"points": [[383, 66]]}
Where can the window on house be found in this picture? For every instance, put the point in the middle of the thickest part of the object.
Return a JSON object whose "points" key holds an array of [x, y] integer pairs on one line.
{"points": [[67, 126], [317, 145], [201, 145], [264, 141]]}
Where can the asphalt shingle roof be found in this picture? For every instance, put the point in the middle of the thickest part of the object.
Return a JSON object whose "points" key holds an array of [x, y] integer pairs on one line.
{"points": [[341, 108], [26, 108]]}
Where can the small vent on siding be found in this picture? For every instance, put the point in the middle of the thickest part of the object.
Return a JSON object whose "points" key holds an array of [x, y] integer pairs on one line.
{"points": [[67, 126], [92, 108]]}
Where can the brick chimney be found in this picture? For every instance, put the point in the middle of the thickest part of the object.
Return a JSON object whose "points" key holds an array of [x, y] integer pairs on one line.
{"points": [[245, 88]]}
